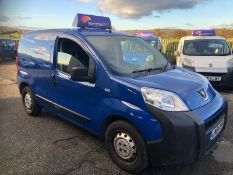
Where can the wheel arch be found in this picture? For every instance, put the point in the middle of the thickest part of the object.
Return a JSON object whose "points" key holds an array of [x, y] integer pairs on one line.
{"points": [[22, 86], [114, 118]]}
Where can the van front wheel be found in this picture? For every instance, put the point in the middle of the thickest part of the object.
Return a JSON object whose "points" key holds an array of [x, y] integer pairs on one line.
{"points": [[126, 147], [29, 102]]}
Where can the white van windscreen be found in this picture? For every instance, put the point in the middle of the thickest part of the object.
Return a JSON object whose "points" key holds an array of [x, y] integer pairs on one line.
{"points": [[206, 47]]}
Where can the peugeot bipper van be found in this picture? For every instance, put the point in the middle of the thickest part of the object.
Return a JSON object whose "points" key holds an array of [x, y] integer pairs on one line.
{"points": [[207, 54], [149, 37], [149, 113]]}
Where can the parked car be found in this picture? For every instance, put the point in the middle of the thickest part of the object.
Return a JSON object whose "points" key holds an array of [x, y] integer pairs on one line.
{"points": [[7, 49], [207, 54], [147, 111]]}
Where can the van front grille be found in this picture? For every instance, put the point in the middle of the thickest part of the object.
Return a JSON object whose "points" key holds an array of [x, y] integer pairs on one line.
{"points": [[213, 121]]}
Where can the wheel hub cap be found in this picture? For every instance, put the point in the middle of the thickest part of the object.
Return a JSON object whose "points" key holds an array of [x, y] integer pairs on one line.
{"points": [[28, 100], [125, 146]]}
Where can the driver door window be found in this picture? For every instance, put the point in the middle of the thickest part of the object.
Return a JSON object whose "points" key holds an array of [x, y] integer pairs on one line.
{"points": [[71, 55]]}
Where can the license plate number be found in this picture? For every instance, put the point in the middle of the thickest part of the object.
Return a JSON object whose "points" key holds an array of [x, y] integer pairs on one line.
{"points": [[216, 130], [212, 78]]}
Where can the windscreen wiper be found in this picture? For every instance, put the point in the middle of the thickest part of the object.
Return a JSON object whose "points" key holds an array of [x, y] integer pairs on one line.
{"points": [[165, 67], [148, 70]]}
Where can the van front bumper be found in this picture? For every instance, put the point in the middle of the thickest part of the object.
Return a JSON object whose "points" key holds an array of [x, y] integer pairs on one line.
{"points": [[226, 78], [186, 136]]}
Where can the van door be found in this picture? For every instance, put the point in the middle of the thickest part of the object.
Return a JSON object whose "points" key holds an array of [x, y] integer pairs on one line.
{"points": [[77, 99]]}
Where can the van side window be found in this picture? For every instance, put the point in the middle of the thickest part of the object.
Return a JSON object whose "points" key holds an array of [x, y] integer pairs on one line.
{"points": [[70, 55], [37, 45]]}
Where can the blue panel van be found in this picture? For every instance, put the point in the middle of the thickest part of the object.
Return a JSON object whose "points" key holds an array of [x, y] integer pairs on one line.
{"points": [[7, 49], [149, 37], [148, 112]]}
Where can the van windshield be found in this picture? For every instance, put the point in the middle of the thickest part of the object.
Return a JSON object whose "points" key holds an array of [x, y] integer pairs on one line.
{"points": [[206, 47], [152, 42], [128, 56], [11, 43]]}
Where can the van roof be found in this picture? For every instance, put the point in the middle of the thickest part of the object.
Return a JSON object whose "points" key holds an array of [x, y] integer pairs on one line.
{"points": [[82, 32], [202, 37], [5, 39]]}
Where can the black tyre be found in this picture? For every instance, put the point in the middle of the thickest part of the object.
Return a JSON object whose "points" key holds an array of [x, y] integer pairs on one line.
{"points": [[126, 147], [29, 102]]}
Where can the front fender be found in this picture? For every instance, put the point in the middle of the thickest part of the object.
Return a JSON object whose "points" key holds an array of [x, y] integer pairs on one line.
{"points": [[148, 126]]}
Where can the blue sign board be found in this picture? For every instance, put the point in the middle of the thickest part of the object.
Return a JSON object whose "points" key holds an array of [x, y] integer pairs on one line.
{"points": [[92, 22], [203, 33], [145, 34]]}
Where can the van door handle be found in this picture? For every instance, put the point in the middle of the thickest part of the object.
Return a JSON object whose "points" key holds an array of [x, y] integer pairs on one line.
{"points": [[53, 80]]}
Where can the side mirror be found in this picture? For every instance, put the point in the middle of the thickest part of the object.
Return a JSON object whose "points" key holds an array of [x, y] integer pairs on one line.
{"points": [[81, 74], [176, 53]]}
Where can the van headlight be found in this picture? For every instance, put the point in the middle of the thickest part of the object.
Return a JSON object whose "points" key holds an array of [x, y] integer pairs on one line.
{"points": [[188, 62], [162, 99], [230, 63]]}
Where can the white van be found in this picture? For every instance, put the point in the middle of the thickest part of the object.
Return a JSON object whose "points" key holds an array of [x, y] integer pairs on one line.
{"points": [[207, 54]]}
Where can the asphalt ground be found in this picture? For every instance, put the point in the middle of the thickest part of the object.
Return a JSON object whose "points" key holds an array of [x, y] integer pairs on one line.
{"points": [[50, 145]]}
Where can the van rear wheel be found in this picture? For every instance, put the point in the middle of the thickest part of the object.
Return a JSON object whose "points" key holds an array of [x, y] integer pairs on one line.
{"points": [[126, 147], [29, 102]]}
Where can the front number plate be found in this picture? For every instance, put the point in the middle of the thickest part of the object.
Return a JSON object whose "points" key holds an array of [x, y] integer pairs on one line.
{"points": [[212, 78], [216, 130]]}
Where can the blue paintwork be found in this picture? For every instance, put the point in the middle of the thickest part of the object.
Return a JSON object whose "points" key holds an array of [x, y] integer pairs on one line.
{"points": [[37, 59], [184, 83], [9, 51], [213, 109]]}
